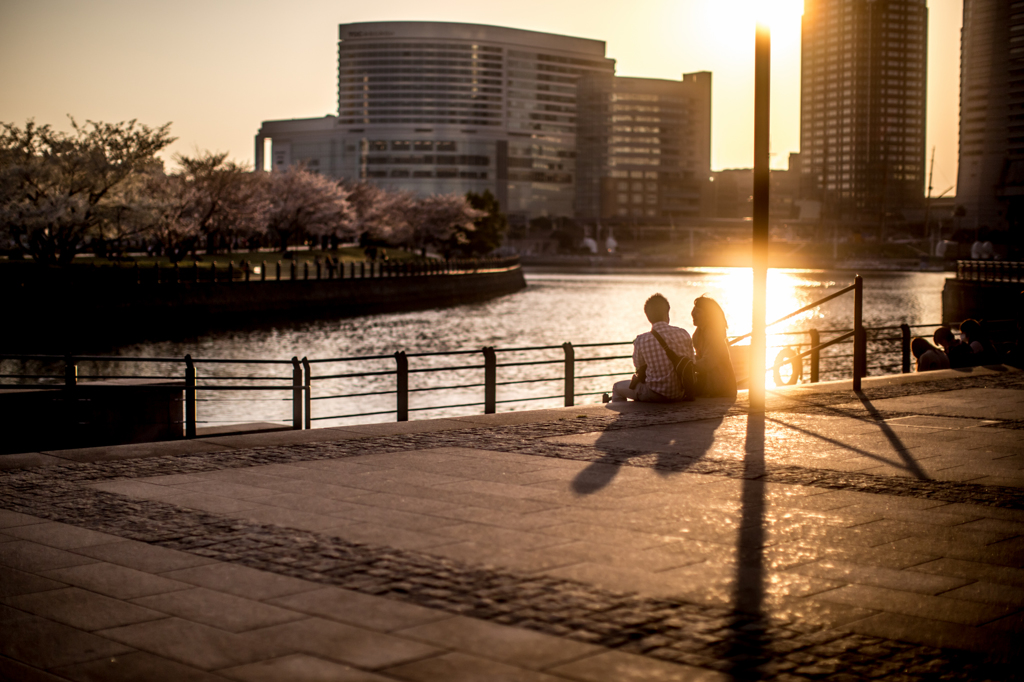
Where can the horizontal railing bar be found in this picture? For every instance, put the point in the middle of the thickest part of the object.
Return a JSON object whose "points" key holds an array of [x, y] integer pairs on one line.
{"points": [[524, 400], [351, 395], [425, 354], [529, 381], [610, 343], [607, 357], [353, 358], [534, 362], [243, 388], [443, 388], [349, 416], [443, 407], [444, 369], [354, 375]]}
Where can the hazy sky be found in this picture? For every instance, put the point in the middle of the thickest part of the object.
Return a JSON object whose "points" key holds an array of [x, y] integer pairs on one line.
{"points": [[217, 68]]}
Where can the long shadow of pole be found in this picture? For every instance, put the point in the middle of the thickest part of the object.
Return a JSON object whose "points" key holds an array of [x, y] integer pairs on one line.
{"points": [[746, 649]]}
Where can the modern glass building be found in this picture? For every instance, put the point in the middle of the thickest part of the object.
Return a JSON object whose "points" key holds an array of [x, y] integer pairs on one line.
{"points": [[644, 148], [862, 105], [990, 181], [444, 107]]}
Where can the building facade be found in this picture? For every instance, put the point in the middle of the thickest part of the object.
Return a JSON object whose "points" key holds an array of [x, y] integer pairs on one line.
{"points": [[437, 107], [990, 180], [644, 148], [862, 106]]}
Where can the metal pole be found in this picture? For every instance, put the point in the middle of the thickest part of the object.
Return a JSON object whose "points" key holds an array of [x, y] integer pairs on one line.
{"points": [[490, 380], [296, 394], [859, 336], [762, 100], [306, 384], [402, 386], [570, 374], [70, 372], [905, 328], [190, 397], [815, 355]]}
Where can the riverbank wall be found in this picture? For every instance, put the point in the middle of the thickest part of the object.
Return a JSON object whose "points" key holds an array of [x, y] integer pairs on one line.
{"points": [[62, 312], [983, 290]]}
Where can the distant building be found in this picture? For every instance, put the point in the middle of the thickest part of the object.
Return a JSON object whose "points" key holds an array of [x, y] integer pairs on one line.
{"points": [[438, 107], [862, 105], [644, 147], [990, 181]]}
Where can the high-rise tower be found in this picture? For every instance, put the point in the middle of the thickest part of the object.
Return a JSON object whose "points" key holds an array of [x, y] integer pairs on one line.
{"points": [[862, 105], [990, 181]]}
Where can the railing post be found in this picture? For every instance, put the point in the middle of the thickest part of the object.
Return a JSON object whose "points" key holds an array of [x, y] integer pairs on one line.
{"points": [[859, 337], [213, 271], [307, 381], [296, 394], [905, 347], [248, 269], [305, 270], [70, 372], [293, 271], [815, 354], [263, 272], [570, 374], [231, 271], [490, 380], [177, 273], [190, 397], [402, 386], [278, 271]]}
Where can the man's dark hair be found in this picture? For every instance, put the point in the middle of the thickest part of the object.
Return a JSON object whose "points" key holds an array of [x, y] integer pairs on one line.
{"points": [[943, 335], [656, 308]]}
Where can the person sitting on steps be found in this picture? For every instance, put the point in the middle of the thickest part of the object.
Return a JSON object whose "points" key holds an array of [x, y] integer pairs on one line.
{"points": [[655, 380]]}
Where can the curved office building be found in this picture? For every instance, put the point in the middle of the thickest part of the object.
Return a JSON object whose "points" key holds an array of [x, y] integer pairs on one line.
{"points": [[442, 107]]}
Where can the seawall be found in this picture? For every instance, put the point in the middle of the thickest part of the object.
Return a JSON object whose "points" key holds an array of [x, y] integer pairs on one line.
{"points": [[60, 312]]}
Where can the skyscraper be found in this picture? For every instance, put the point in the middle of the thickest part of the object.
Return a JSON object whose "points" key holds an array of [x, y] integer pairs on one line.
{"points": [[862, 106], [990, 181]]}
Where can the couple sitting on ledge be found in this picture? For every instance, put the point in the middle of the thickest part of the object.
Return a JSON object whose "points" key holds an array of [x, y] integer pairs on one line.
{"points": [[670, 366]]}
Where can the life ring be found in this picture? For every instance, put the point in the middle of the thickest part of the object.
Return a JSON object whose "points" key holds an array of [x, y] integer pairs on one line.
{"points": [[788, 356]]}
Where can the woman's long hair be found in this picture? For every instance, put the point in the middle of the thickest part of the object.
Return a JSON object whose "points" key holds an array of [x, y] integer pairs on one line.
{"points": [[714, 323]]}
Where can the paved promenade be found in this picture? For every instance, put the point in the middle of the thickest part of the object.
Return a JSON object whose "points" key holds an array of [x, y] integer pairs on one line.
{"points": [[837, 536]]}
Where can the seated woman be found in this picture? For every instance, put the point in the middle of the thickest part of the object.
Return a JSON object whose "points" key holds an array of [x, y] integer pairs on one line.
{"points": [[928, 356], [715, 378]]}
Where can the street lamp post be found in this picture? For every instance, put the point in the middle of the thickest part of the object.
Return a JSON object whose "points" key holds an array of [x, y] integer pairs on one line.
{"points": [[762, 183]]}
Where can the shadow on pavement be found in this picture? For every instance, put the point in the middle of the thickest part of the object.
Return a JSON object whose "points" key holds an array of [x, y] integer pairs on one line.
{"points": [[674, 452]]}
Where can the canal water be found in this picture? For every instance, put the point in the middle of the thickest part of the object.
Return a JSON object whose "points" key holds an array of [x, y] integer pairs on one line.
{"points": [[556, 307]]}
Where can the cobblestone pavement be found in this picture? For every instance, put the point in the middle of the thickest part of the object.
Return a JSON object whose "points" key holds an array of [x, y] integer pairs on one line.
{"points": [[841, 536]]}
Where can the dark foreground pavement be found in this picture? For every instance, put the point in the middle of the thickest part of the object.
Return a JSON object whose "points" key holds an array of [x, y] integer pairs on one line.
{"points": [[837, 536]]}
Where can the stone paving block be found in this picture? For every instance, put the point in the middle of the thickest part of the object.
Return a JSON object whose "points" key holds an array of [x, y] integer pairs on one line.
{"points": [[906, 581], [985, 511], [308, 503], [515, 540], [34, 557], [812, 610], [616, 666], [240, 581], [61, 535], [458, 667], [225, 489], [15, 671], [489, 555], [494, 517], [195, 644], [135, 667], [143, 557], [112, 580], [392, 428], [936, 633], [419, 502], [995, 526], [299, 667], [989, 593], [289, 518], [42, 643], [515, 646], [224, 611], [14, 582], [362, 610], [627, 539], [379, 534], [82, 609], [343, 643], [918, 605], [29, 460], [290, 437], [316, 489], [205, 502], [1002, 575], [145, 490], [10, 519]]}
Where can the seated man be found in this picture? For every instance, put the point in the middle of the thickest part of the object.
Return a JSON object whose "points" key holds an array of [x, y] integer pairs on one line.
{"points": [[959, 353], [655, 380], [928, 356]]}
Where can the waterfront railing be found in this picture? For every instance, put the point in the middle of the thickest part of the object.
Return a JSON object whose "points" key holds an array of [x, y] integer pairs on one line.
{"points": [[990, 271]]}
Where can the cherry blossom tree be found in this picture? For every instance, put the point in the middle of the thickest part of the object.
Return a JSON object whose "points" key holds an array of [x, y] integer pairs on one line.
{"points": [[57, 189], [221, 199], [440, 220], [301, 201]]}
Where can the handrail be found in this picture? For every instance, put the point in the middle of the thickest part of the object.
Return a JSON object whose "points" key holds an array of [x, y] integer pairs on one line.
{"points": [[807, 307]]}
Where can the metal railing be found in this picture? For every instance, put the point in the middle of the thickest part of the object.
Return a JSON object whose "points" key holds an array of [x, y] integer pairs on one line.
{"points": [[990, 270]]}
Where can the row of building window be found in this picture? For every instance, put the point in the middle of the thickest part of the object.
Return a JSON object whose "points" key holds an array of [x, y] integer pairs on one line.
{"points": [[439, 173], [376, 120], [412, 145], [366, 47], [431, 159]]}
